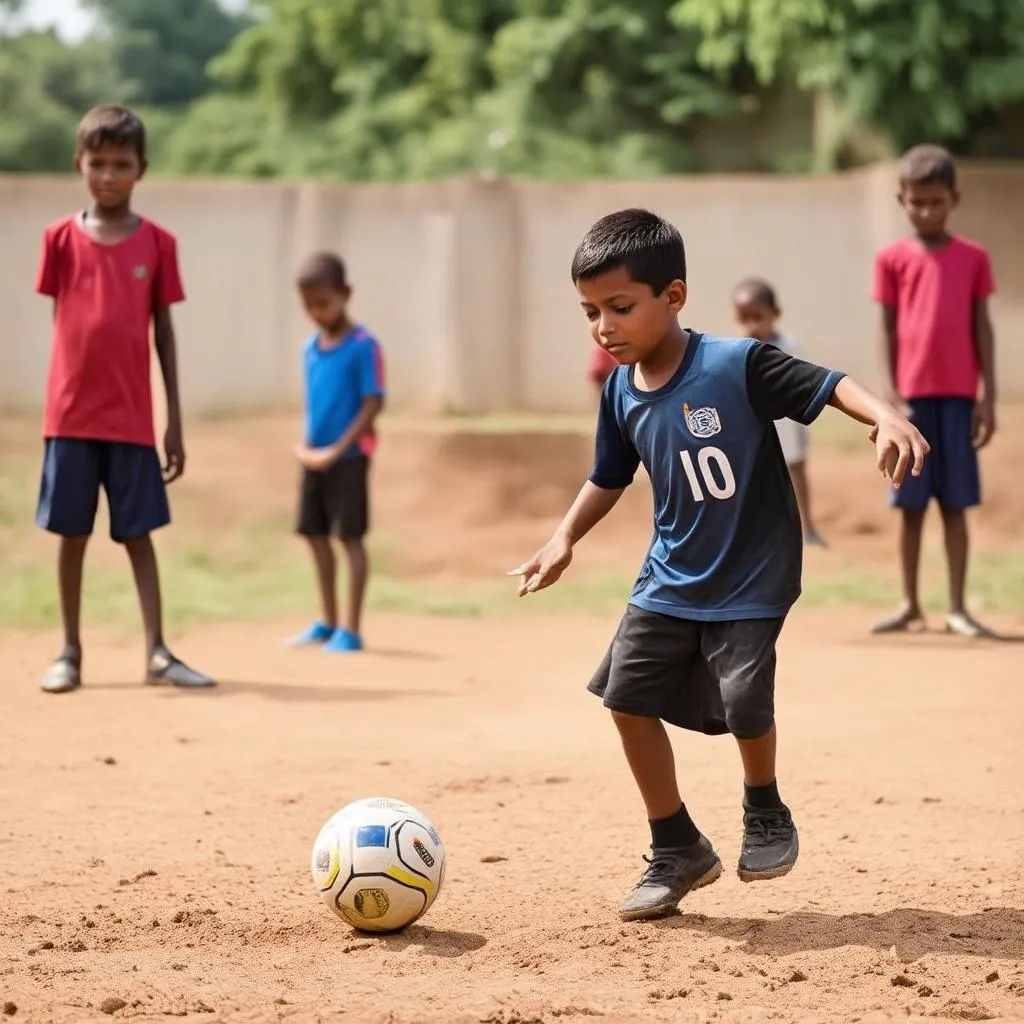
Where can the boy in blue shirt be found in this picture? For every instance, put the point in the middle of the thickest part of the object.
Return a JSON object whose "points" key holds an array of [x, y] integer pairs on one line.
{"points": [[344, 373], [696, 646]]}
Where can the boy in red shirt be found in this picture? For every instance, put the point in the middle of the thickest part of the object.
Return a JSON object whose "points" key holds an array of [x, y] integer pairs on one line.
{"points": [[937, 341], [112, 275]]}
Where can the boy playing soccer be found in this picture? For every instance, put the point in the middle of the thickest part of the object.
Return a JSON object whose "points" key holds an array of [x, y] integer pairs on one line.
{"points": [[112, 276], [696, 646], [344, 393], [937, 341], [757, 312]]}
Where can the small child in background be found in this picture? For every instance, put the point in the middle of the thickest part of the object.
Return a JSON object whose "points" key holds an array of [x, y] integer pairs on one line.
{"points": [[757, 312], [602, 362], [344, 375]]}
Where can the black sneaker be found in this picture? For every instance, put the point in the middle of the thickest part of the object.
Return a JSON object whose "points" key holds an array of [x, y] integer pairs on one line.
{"points": [[770, 846], [672, 873]]}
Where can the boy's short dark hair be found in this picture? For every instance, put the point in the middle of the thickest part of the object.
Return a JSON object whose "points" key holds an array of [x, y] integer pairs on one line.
{"points": [[646, 245], [928, 165], [111, 126], [323, 270], [756, 290]]}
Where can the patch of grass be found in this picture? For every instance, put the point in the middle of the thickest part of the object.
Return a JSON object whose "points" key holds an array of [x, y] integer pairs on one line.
{"points": [[245, 569], [205, 585]]}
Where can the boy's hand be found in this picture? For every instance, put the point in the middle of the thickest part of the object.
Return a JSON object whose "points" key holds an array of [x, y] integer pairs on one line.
{"points": [[317, 460], [174, 454], [899, 446], [545, 567], [984, 424]]}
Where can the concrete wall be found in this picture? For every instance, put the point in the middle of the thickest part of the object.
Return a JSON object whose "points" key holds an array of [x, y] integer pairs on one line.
{"points": [[466, 281]]}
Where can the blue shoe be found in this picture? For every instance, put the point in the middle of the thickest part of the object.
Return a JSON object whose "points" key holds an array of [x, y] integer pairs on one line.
{"points": [[343, 641], [318, 633]]}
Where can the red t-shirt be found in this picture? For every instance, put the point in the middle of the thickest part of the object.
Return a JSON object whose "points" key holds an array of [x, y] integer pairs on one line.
{"points": [[934, 292], [602, 363], [98, 386]]}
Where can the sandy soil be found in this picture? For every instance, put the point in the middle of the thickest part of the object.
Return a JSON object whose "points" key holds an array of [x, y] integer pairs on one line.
{"points": [[154, 846]]}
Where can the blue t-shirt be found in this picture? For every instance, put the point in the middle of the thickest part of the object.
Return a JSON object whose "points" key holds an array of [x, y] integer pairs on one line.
{"points": [[727, 540], [338, 381]]}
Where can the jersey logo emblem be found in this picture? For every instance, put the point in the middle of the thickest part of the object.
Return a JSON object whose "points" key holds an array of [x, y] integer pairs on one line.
{"points": [[702, 422], [140, 273]]}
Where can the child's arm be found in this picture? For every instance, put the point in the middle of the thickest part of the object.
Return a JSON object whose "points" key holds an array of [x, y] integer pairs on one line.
{"points": [[985, 343], [886, 293], [167, 290], [319, 460], [898, 443], [167, 354], [887, 360], [592, 504]]}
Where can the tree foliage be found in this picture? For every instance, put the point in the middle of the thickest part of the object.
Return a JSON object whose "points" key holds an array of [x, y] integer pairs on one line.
{"points": [[160, 50], [44, 88], [928, 70], [407, 88], [389, 89]]}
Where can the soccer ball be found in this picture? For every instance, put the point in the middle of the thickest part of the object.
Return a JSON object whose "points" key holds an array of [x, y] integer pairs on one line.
{"points": [[378, 864]]}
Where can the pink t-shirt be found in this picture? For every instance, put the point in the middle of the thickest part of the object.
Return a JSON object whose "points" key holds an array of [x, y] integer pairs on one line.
{"points": [[98, 386], [601, 365], [934, 292]]}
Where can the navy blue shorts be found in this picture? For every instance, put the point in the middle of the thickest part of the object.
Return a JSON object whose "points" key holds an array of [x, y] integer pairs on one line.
{"points": [[951, 470], [73, 472]]}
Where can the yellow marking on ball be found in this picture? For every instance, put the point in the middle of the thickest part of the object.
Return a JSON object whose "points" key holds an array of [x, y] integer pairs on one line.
{"points": [[408, 878]]}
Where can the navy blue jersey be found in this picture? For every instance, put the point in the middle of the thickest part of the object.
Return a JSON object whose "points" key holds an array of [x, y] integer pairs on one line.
{"points": [[727, 538]]}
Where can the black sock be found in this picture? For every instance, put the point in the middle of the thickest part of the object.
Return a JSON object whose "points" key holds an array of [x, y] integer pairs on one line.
{"points": [[676, 830], [764, 798]]}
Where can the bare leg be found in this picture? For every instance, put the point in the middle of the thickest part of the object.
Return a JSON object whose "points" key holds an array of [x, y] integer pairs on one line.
{"points": [[70, 563], [682, 859], [954, 523], [758, 758], [65, 674], [326, 575], [649, 753], [802, 489], [910, 615], [142, 555], [954, 526], [770, 843], [358, 574]]}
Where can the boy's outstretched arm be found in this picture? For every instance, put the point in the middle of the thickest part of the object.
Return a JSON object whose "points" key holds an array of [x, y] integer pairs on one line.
{"points": [[167, 354], [898, 443], [592, 504]]}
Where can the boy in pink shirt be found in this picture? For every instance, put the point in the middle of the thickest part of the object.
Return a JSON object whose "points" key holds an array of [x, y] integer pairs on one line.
{"points": [[113, 277], [937, 344]]}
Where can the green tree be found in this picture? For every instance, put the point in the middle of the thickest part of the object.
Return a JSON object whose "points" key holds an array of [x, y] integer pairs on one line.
{"points": [[161, 48], [929, 70], [412, 88], [44, 88]]}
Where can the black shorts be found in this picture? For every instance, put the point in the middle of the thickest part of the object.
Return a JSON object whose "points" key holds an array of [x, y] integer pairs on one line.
{"points": [[336, 501], [711, 677]]}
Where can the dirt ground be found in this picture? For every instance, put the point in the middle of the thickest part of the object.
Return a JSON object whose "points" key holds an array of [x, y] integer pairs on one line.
{"points": [[154, 846]]}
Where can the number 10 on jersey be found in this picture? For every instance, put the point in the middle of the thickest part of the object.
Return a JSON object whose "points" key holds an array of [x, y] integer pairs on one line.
{"points": [[710, 472]]}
